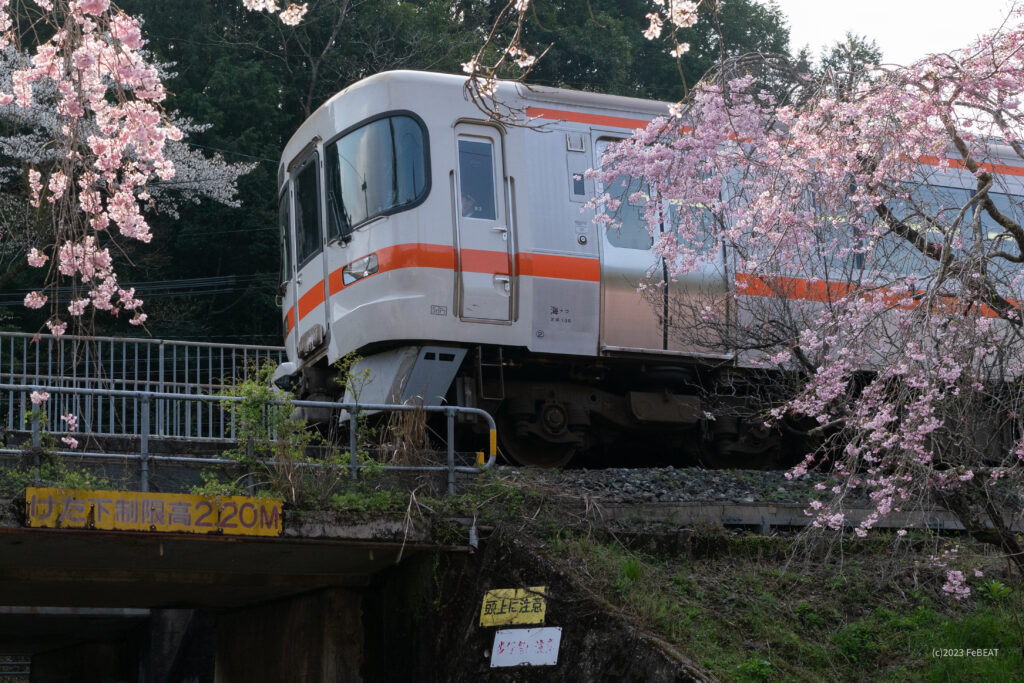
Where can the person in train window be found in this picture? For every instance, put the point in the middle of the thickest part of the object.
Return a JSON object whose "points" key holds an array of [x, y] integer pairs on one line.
{"points": [[476, 183], [470, 209]]}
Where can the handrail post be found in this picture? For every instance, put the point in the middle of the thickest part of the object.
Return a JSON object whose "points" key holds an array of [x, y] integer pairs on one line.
{"points": [[161, 406], [144, 438], [37, 441], [450, 412], [353, 440]]}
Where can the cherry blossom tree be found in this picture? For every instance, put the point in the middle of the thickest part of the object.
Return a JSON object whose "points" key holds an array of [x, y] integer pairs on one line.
{"points": [[27, 143], [291, 15], [503, 53], [875, 239], [84, 101], [87, 67]]}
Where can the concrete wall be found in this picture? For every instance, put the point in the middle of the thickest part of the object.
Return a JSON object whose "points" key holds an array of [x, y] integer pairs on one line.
{"points": [[313, 638], [106, 662], [180, 647]]}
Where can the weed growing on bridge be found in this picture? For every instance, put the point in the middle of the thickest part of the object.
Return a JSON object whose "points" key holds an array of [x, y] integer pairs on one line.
{"points": [[273, 445], [382, 503], [42, 466], [51, 472], [215, 487], [280, 454]]}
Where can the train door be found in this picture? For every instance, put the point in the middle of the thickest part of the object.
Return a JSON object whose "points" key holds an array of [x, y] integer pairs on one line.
{"points": [[484, 227], [632, 299], [700, 294], [310, 278]]}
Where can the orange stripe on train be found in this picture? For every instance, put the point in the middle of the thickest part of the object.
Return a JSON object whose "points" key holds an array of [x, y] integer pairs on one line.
{"points": [[998, 169], [823, 291], [441, 256], [482, 261], [580, 117], [311, 299], [558, 267]]}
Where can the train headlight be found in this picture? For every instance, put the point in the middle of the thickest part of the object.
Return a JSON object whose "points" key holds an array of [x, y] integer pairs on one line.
{"points": [[357, 270]]}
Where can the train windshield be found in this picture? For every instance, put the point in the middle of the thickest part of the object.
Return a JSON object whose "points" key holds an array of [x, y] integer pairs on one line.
{"points": [[377, 169], [309, 243]]}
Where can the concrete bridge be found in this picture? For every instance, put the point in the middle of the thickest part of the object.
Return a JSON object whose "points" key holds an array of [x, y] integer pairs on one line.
{"points": [[95, 605]]}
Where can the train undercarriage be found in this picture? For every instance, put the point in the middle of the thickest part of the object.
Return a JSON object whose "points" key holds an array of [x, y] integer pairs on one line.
{"points": [[553, 411]]}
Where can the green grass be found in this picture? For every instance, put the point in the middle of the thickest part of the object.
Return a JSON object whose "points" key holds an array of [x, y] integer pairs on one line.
{"points": [[752, 611], [383, 503], [51, 472]]}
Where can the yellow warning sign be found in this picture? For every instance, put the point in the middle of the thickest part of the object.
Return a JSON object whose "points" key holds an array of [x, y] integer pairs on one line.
{"points": [[504, 606], [139, 511]]}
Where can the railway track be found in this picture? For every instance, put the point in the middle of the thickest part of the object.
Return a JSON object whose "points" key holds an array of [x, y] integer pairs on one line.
{"points": [[760, 501]]}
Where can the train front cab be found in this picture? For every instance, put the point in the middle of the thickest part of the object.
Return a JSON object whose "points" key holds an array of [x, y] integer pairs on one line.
{"points": [[379, 247]]}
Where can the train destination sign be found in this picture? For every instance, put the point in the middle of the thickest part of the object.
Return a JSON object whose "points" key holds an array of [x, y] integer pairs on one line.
{"points": [[526, 646], [144, 511], [505, 606]]}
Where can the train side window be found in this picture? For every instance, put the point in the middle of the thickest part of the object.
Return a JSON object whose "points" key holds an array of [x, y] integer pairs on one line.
{"points": [[476, 179], [995, 237], [631, 231], [307, 211], [929, 210], [286, 243]]}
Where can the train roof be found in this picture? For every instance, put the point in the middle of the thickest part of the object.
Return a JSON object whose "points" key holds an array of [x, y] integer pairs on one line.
{"points": [[509, 92], [445, 87]]}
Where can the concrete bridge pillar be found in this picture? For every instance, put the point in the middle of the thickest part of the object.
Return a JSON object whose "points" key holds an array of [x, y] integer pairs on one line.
{"points": [[106, 662], [313, 638]]}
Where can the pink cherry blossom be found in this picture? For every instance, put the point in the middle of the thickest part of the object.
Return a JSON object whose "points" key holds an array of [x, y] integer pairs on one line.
{"points": [[956, 584], [35, 185], [36, 258], [35, 300], [57, 184], [293, 14], [77, 307]]}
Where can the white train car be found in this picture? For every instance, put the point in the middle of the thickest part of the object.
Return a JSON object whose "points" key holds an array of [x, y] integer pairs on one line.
{"points": [[456, 257]]}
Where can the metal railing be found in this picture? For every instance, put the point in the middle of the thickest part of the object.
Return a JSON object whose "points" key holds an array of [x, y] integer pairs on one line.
{"points": [[111, 364], [16, 668], [147, 400]]}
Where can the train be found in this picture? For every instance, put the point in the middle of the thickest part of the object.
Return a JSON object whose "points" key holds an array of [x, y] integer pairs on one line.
{"points": [[458, 258]]}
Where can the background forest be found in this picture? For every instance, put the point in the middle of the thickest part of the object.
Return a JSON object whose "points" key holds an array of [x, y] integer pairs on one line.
{"points": [[211, 271]]}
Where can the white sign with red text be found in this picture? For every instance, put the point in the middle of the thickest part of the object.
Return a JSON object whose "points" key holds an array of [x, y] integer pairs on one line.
{"points": [[526, 646]]}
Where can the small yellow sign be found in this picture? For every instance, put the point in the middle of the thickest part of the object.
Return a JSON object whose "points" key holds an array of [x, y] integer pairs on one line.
{"points": [[139, 511], [504, 606]]}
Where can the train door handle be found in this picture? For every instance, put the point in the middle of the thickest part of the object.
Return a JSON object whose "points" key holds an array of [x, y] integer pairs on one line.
{"points": [[503, 230], [504, 279], [298, 279]]}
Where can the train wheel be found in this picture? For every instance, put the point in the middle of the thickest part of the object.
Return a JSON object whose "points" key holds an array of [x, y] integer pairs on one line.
{"points": [[530, 450]]}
